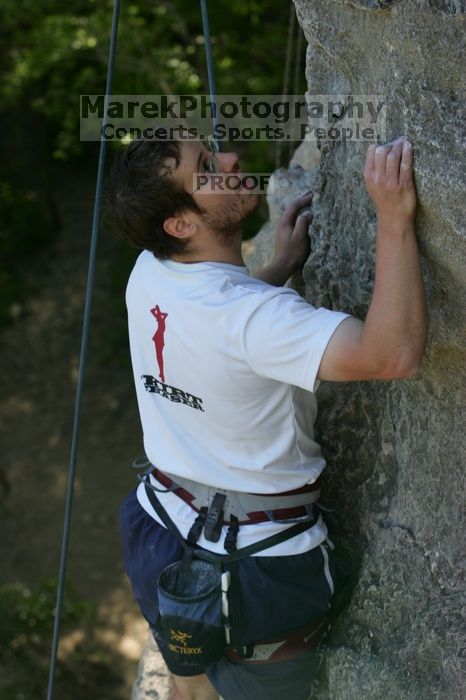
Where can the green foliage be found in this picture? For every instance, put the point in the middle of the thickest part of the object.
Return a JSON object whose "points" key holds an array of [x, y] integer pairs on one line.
{"points": [[85, 669], [53, 52], [25, 636], [27, 616]]}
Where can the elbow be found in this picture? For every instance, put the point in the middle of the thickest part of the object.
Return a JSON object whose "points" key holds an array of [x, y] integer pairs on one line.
{"points": [[406, 368], [410, 371], [414, 361]]}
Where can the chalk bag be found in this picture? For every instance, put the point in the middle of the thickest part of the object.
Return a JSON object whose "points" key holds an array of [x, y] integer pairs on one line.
{"points": [[190, 612]]}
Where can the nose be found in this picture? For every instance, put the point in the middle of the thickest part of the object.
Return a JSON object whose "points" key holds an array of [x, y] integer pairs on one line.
{"points": [[229, 162]]}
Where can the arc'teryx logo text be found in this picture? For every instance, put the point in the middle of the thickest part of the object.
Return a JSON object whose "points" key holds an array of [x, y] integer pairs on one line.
{"points": [[182, 638]]}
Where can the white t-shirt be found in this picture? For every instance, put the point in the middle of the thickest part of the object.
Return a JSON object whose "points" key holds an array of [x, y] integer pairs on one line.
{"points": [[225, 371]]}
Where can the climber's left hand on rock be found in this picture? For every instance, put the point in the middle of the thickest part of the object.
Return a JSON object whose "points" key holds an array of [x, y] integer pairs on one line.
{"points": [[292, 245]]}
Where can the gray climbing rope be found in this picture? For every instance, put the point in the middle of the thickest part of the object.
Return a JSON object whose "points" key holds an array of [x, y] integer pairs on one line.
{"points": [[297, 75], [210, 65], [83, 359], [286, 74]]}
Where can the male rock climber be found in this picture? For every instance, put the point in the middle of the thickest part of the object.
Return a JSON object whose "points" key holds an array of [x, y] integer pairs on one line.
{"points": [[232, 407]]}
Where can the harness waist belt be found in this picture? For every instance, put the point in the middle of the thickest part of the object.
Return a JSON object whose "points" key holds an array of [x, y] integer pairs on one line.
{"points": [[247, 508]]}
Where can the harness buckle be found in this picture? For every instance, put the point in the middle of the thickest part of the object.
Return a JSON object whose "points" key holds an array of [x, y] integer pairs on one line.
{"points": [[232, 535], [196, 528], [214, 519]]}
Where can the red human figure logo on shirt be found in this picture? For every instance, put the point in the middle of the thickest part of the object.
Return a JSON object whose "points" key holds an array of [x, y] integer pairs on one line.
{"points": [[158, 338]]}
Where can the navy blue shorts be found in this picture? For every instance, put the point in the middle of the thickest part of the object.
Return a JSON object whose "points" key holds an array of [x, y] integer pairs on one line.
{"points": [[278, 594]]}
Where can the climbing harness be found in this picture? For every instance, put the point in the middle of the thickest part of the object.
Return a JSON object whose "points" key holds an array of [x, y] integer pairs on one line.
{"points": [[247, 508], [199, 600]]}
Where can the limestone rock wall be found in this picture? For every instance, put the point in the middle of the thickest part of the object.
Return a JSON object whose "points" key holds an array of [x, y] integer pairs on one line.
{"points": [[396, 450]]}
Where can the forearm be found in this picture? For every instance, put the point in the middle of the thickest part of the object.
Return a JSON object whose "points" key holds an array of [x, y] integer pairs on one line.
{"points": [[396, 324]]}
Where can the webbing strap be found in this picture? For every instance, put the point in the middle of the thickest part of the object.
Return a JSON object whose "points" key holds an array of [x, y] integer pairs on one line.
{"points": [[265, 543], [239, 553], [163, 515], [237, 626], [83, 358]]}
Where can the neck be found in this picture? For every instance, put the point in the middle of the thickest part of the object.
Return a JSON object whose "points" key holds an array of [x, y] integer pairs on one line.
{"points": [[219, 248]]}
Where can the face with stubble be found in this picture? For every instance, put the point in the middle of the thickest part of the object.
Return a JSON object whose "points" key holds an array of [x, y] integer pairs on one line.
{"points": [[204, 174]]}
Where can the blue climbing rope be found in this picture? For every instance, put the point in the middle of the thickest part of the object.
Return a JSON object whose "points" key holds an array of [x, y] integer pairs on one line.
{"points": [[83, 358], [210, 65]]}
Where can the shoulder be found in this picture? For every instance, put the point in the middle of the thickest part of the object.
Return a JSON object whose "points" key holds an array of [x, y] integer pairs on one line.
{"points": [[259, 292], [144, 261]]}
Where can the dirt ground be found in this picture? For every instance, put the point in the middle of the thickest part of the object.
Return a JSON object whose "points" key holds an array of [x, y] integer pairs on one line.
{"points": [[40, 357]]}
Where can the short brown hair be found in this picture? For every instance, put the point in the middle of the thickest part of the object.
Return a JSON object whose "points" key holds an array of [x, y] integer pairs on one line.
{"points": [[141, 194]]}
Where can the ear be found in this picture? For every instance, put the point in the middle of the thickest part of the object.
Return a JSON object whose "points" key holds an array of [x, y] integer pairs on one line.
{"points": [[182, 226]]}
